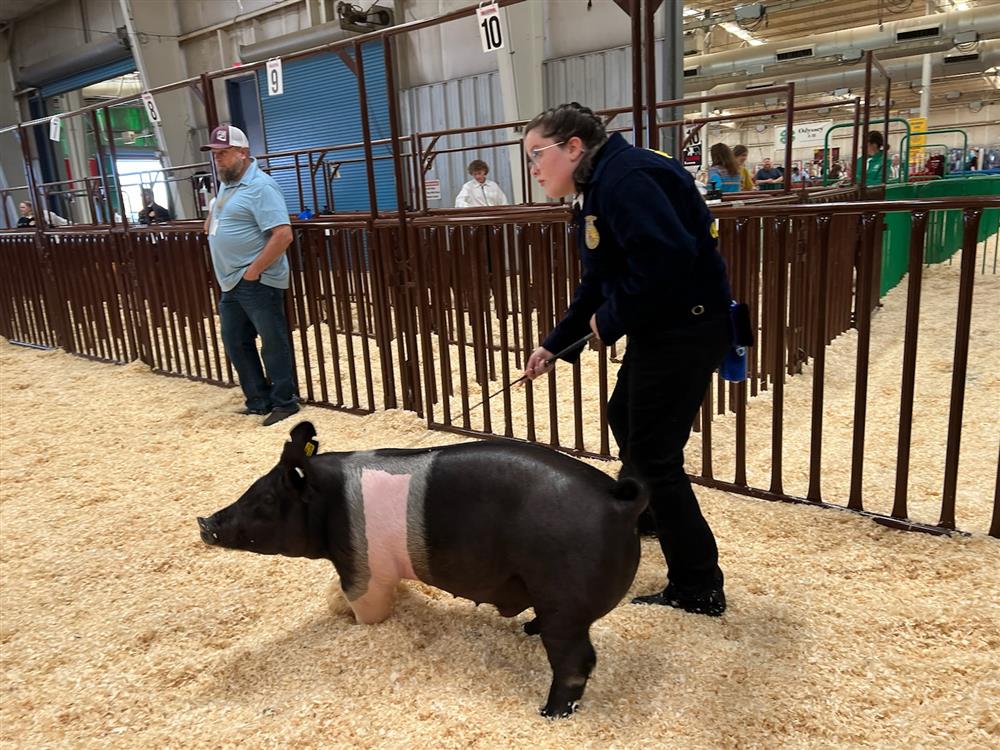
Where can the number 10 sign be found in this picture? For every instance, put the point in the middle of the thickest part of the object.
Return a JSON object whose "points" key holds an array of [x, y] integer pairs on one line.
{"points": [[490, 30]]}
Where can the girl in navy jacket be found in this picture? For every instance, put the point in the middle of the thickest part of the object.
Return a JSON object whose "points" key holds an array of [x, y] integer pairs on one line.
{"points": [[651, 271]]}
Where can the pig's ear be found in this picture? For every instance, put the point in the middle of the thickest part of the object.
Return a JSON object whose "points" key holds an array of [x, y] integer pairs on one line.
{"points": [[297, 452]]}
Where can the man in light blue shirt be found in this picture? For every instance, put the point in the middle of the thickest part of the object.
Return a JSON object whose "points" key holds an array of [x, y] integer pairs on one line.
{"points": [[248, 233]]}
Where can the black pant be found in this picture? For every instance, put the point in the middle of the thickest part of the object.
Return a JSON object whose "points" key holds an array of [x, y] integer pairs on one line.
{"points": [[661, 385]]}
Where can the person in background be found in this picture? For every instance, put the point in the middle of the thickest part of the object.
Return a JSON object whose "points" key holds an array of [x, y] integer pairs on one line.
{"points": [[835, 173], [725, 170], [652, 272], [894, 169], [796, 177], [27, 217], [152, 212], [767, 177], [248, 233], [746, 179], [479, 191], [875, 169]]}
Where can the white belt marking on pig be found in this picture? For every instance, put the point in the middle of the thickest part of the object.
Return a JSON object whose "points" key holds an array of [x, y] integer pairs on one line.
{"points": [[385, 496]]}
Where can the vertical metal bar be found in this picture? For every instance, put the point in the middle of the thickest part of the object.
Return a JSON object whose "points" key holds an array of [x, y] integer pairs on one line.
{"points": [[636, 17], [457, 257], [208, 96], [778, 408], [790, 129], [443, 301], [649, 55], [970, 220], [406, 332], [337, 303], [297, 292], [995, 523], [913, 289], [496, 235], [854, 141], [310, 277], [424, 323], [529, 338], [862, 180], [819, 361], [356, 261], [706, 432], [862, 296]]}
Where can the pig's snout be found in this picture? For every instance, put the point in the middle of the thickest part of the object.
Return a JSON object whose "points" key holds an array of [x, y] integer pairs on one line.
{"points": [[209, 530]]}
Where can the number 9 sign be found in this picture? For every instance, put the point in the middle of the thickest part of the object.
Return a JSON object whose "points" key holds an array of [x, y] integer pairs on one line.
{"points": [[151, 110], [490, 30], [275, 79]]}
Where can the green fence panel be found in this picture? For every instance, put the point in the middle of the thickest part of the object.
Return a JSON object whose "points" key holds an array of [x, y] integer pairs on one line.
{"points": [[896, 239]]}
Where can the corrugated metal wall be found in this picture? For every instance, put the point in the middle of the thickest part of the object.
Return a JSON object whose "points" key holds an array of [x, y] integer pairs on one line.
{"points": [[319, 107], [600, 80], [461, 102]]}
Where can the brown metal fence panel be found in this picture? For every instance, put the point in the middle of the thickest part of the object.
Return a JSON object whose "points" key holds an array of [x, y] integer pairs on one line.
{"points": [[446, 319], [26, 316], [176, 294]]}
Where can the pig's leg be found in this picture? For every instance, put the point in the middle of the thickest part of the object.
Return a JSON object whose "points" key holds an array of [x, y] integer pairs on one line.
{"points": [[376, 604], [572, 657]]}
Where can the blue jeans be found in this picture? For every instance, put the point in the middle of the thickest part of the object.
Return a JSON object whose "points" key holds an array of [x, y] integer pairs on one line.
{"points": [[252, 309]]}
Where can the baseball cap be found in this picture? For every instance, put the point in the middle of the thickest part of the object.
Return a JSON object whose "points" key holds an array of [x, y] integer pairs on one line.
{"points": [[226, 136]]}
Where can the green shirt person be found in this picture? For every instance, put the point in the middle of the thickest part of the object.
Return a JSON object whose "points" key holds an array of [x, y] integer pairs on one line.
{"points": [[875, 169]]}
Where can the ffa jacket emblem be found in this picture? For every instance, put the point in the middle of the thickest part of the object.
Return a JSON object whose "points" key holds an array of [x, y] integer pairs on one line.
{"points": [[590, 233]]}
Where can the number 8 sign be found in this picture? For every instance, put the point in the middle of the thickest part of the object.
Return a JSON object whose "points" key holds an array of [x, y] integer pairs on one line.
{"points": [[151, 110], [490, 30]]}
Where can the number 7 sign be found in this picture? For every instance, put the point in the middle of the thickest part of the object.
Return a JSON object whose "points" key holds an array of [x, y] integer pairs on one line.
{"points": [[490, 28]]}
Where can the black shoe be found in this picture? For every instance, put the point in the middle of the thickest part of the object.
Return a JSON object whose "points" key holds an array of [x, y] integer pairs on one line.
{"points": [[279, 414], [711, 602], [248, 412]]}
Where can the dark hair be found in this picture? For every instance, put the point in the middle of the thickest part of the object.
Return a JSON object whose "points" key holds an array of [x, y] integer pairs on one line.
{"points": [[478, 165], [569, 120], [739, 150], [875, 139], [723, 157]]}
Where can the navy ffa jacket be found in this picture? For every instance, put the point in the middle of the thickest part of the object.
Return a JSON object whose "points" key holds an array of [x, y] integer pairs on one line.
{"points": [[649, 250]]}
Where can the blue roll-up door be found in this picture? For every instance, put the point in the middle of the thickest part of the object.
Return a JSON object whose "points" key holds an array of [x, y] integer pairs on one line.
{"points": [[88, 77], [319, 107]]}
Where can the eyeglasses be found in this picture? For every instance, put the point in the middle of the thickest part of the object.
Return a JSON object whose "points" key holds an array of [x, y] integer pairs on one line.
{"points": [[534, 156]]}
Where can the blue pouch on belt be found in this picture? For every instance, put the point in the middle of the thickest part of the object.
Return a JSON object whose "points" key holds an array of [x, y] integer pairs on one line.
{"points": [[734, 366]]}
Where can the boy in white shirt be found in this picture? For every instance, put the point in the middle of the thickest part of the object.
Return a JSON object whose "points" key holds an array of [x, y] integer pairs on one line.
{"points": [[479, 191]]}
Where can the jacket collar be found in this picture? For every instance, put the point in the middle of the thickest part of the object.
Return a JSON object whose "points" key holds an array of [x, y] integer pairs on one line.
{"points": [[615, 145]]}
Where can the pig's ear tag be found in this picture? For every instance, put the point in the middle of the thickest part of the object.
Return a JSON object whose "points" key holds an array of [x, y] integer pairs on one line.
{"points": [[311, 447]]}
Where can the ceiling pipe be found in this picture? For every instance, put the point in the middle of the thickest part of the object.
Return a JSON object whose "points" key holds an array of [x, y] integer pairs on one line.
{"points": [[932, 33], [314, 36], [901, 71]]}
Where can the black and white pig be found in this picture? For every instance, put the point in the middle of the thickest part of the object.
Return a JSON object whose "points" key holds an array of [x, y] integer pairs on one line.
{"points": [[512, 524]]}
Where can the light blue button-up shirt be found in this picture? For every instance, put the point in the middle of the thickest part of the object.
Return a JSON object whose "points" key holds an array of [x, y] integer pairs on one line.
{"points": [[243, 216]]}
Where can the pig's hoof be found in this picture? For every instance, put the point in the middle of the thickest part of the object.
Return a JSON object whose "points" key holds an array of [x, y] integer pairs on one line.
{"points": [[532, 627], [559, 712]]}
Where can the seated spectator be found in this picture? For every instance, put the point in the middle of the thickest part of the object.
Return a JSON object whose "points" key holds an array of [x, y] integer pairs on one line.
{"points": [[27, 217], [479, 191]]}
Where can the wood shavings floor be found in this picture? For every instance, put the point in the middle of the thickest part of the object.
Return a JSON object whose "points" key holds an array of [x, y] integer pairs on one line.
{"points": [[120, 629]]}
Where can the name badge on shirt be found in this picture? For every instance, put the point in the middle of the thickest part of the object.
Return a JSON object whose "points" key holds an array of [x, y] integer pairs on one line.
{"points": [[590, 233]]}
